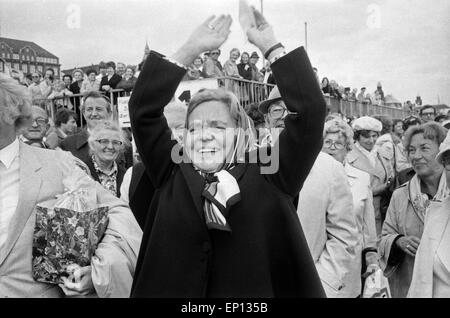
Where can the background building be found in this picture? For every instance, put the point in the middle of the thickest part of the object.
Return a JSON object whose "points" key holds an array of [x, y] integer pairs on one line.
{"points": [[26, 57]]}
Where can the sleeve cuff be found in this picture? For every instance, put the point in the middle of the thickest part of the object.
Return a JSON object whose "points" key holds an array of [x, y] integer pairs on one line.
{"points": [[175, 62]]}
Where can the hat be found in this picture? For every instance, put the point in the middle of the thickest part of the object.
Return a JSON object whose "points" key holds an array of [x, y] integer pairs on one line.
{"points": [[254, 54], [367, 123], [446, 124], [274, 96], [444, 147]]}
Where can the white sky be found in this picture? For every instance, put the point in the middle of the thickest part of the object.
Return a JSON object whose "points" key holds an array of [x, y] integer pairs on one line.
{"points": [[406, 46]]}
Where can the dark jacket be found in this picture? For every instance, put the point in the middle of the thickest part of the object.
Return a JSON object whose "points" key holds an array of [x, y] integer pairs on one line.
{"points": [[127, 85], [140, 193], [76, 102], [245, 73], [78, 145], [113, 81], [119, 178], [266, 254], [75, 87]]}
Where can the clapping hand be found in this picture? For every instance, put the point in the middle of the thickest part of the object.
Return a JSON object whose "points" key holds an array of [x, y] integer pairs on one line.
{"points": [[258, 31], [210, 35]]}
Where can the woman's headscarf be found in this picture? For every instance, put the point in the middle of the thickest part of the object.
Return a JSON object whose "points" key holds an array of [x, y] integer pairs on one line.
{"points": [[221, 188]]}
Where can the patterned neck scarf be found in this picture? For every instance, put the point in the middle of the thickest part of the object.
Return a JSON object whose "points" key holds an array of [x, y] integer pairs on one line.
{"points": [[221, 189], [107, 179], [220, 193], [420, 201]]}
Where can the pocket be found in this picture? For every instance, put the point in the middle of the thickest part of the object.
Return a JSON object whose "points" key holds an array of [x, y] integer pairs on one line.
{"points": [[330, 280]]}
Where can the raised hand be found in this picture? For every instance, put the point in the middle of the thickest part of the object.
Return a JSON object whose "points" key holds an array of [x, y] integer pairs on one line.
{"points": [[257, 29], [210, 35]]}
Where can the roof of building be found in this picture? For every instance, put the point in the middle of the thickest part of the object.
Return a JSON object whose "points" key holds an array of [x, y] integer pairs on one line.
{"points": [[16, 45], [390, 99], [83, 68], [438, 107]]}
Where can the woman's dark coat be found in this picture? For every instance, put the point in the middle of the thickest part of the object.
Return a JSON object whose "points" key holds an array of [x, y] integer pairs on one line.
{"points": [[266, 254]]}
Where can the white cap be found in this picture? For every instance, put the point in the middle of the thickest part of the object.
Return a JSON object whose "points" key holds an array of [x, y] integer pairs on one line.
{"points": [[367, 123], [444, 147]]}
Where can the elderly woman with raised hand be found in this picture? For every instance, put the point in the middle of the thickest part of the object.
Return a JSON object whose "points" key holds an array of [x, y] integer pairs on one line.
{"points": [[432, 264], [338, 141], [404, 224], [364, 156], [106, 142], [218, 226]]}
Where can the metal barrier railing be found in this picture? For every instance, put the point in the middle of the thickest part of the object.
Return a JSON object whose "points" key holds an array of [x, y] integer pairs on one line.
{"points": [[248, 92], [358, 109], [74, 101]]}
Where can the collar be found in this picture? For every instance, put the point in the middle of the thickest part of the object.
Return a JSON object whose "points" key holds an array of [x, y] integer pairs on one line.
{"points": [[9, 153], [98, 169], [364, 151], [61, 133]]}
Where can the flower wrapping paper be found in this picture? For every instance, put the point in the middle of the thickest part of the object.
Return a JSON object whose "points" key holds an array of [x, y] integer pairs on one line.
{"points": [[66, 233]]}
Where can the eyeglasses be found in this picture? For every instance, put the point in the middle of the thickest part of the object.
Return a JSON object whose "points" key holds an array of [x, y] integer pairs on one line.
{"points": [[338, 145], [105, 142], [428, 114], [215, 53], [40, 121], [277, 112]]}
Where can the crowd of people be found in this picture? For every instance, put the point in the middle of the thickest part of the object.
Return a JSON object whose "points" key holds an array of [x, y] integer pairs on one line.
{"points": [[196, 214]]}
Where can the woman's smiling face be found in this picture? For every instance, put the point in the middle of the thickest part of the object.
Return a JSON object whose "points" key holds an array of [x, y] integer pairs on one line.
{"points": [[210, 136]]}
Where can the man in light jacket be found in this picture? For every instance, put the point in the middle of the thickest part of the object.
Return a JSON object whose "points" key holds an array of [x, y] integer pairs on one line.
{"points": [[325, 209], [29, 176]]}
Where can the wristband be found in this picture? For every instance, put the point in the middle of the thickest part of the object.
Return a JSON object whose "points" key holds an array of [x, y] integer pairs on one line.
{"points": [[273, 48]]}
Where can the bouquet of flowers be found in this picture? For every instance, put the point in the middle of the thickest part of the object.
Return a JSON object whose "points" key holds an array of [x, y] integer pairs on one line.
{"points": [[68, 229]]}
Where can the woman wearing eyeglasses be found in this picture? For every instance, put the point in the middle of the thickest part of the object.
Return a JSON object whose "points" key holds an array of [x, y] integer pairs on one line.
{"points": [[364, 156], [106, 142], [432, 264], [338, 141]]}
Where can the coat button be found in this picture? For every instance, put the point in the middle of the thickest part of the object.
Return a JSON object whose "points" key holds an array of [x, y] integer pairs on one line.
{"points": [[206, 247]]}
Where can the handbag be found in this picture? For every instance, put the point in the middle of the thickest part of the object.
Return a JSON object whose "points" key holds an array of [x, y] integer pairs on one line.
{"points": [[376, 286]]}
